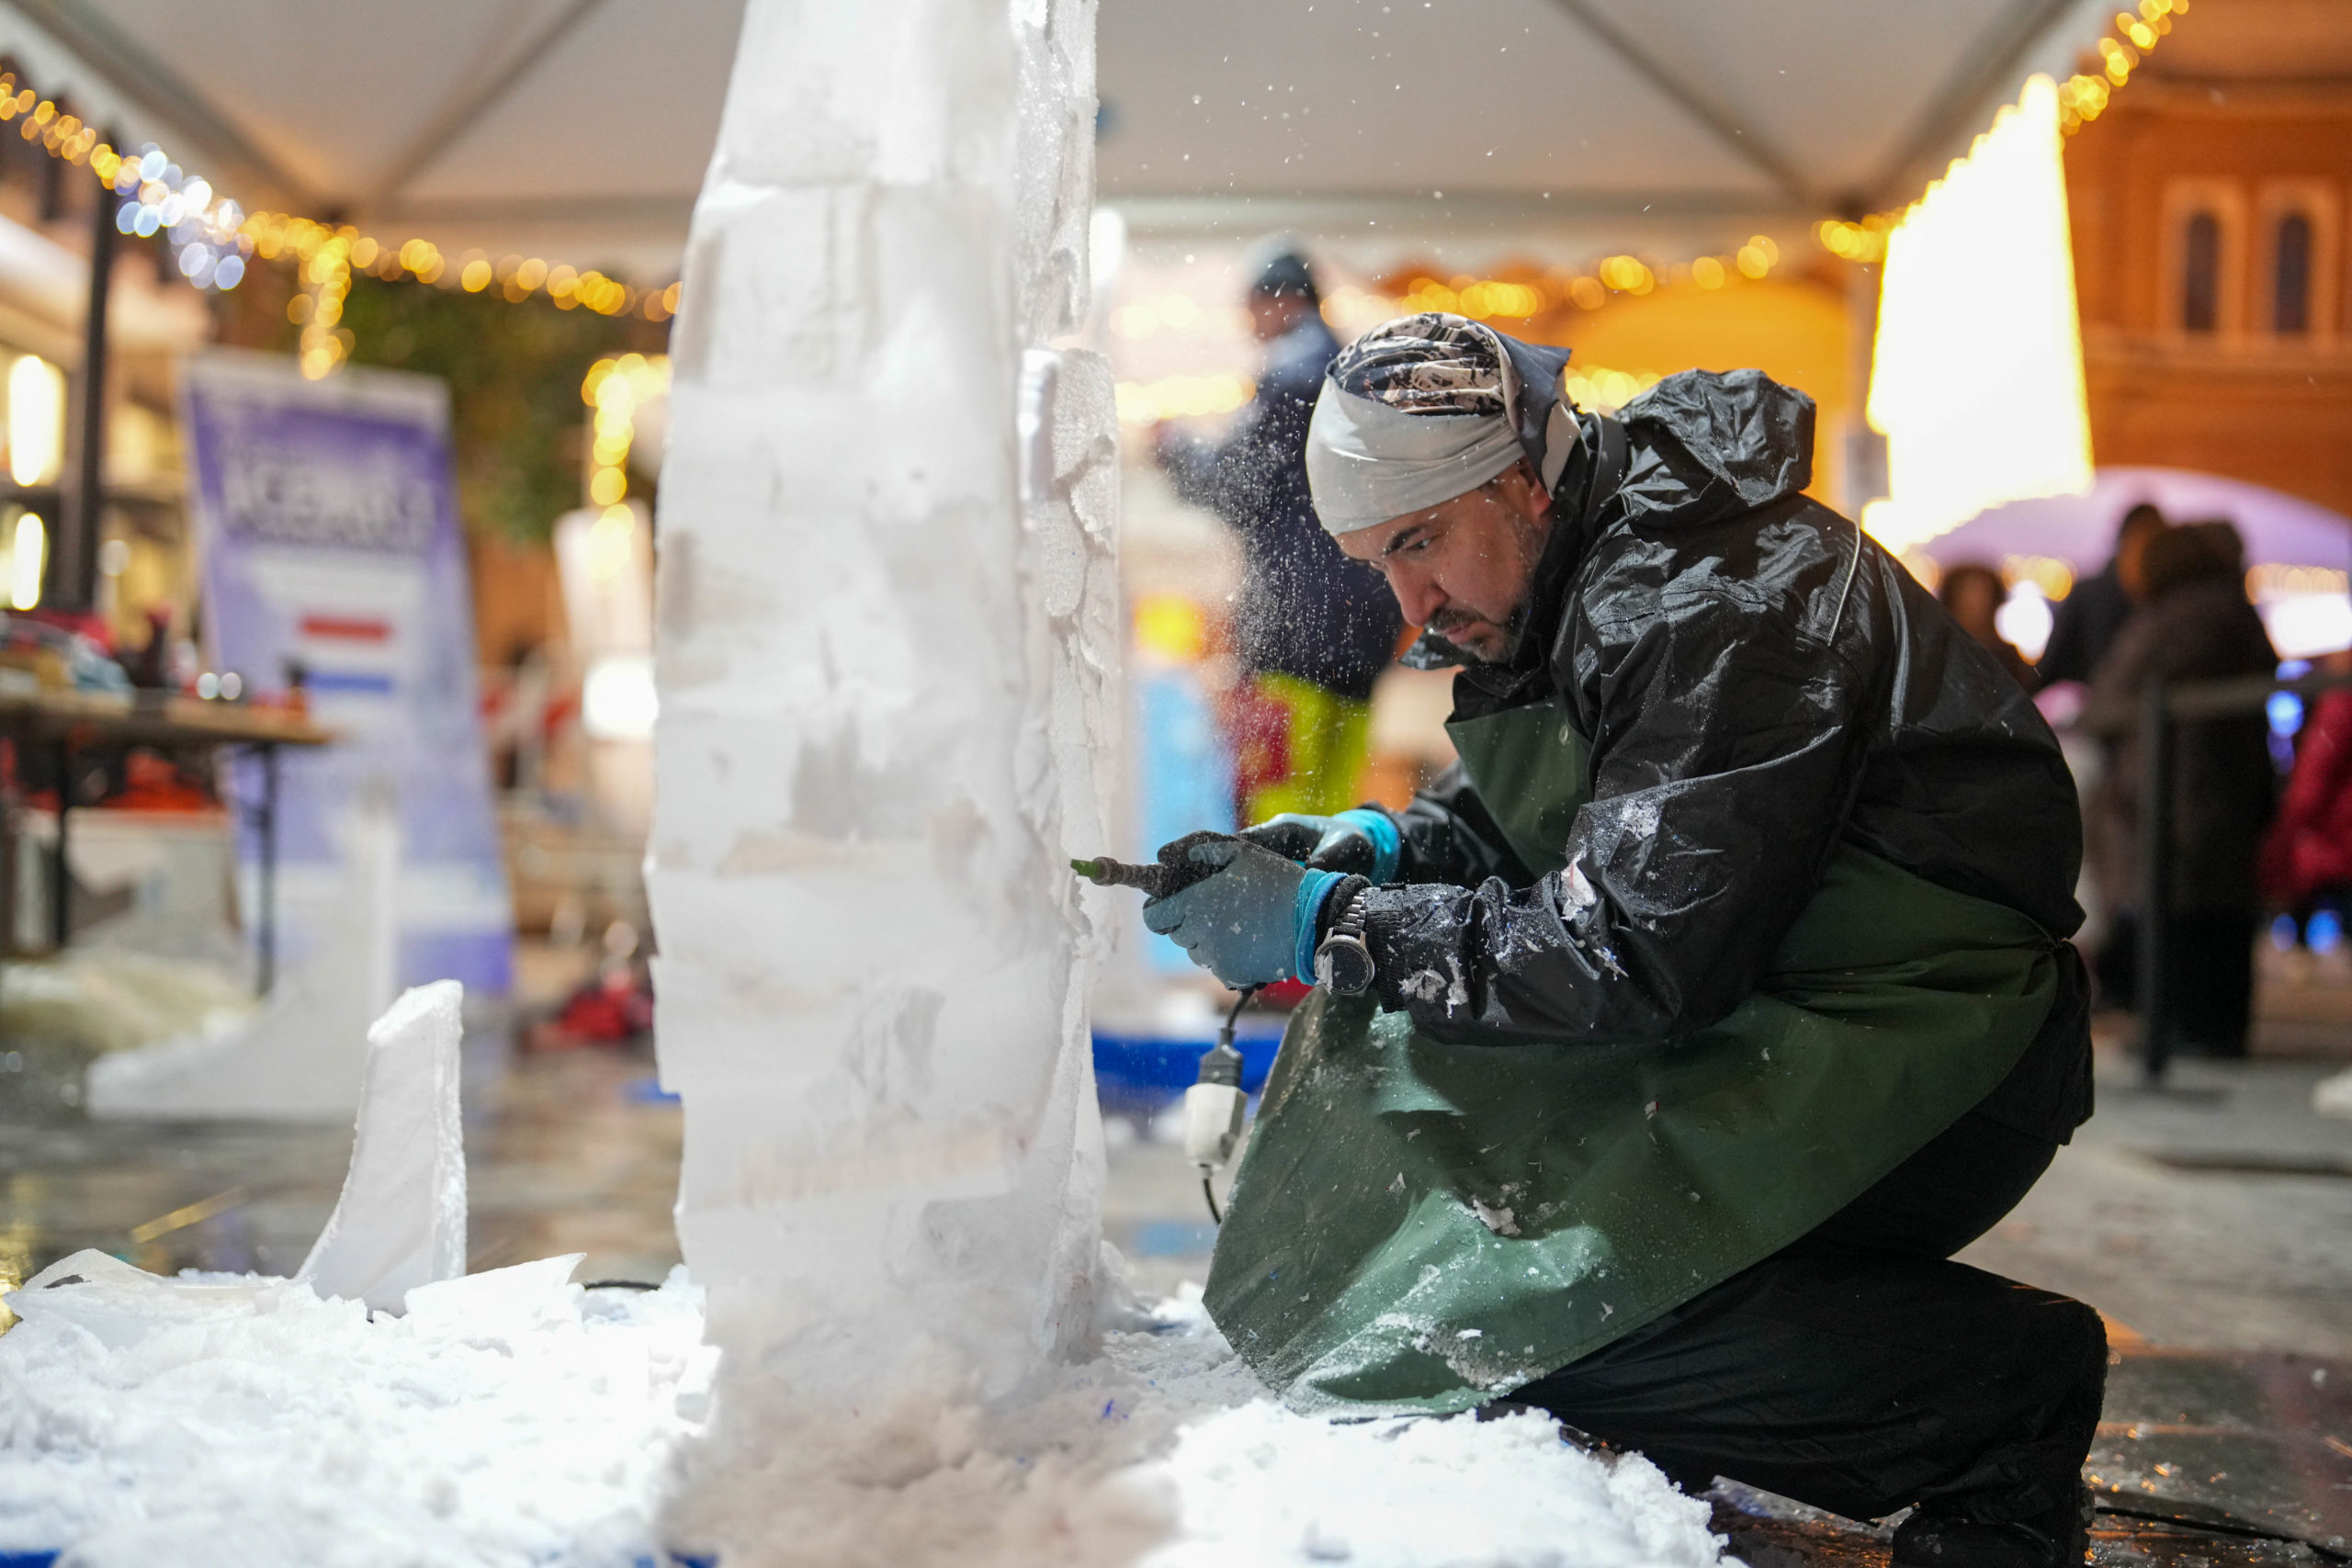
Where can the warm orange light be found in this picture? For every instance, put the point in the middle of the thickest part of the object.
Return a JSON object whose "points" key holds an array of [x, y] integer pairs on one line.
{"points": [[1979, 271]]}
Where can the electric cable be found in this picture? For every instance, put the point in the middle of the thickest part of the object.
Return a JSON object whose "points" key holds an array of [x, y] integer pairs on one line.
{"points": [[1221, 1065]]}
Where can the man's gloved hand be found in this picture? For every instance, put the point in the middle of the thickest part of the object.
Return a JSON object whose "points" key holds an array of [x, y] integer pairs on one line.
{"points": [[1360, 843], [1243, 923]]}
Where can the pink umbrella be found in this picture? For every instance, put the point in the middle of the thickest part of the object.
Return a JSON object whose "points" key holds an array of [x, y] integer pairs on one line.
{"points": [[2279, 529]]}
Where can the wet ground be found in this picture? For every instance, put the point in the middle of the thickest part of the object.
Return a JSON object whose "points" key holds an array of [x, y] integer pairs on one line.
{"points": [[2204, 1460], [569, 1152], [2210, 1220]]}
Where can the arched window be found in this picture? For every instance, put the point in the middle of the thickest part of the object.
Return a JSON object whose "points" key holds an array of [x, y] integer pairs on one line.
{"points": [[2200, 274], [2290, 291]]}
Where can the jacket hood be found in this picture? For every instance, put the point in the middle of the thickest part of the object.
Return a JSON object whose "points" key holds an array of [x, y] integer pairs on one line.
{"points": [[1708, 446], [1698, 448]]}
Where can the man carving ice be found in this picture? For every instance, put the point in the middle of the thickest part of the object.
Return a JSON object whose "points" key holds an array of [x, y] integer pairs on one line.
{"points": [[1673, 1041]]}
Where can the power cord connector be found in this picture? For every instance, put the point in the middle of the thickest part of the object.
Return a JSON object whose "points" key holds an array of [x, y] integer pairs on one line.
{"points": [[1214, 1105]]}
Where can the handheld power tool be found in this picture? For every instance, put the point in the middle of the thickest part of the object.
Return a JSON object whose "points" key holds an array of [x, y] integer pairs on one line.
{"points": [[1214, 1105]]}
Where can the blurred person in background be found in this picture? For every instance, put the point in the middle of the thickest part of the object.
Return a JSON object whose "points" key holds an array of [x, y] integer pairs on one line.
{"points": [[2088, 621], [2083, 627], [1974, 594], [2195, 623], [1314, 628], [2308, 856]]}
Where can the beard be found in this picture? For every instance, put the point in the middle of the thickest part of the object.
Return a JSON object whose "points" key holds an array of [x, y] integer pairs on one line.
{"points": [[1501, 649]]}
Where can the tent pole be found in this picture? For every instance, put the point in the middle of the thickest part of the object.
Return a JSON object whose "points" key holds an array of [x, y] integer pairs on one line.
{"points": [[2156, 733], [75, 575]]}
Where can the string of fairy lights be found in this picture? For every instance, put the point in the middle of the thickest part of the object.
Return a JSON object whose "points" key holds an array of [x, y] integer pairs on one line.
{"points": [[2082, 99], [325, 257], [213, 240]]}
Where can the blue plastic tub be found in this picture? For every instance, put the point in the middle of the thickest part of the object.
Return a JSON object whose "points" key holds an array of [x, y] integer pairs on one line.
{"points": [[1143, 1073]]}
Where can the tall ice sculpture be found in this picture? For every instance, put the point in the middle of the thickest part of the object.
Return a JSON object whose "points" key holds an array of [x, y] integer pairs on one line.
{"points": [[887, 616]]}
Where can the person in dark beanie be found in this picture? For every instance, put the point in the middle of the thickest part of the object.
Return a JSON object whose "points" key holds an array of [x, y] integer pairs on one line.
{"points": [[1314, 628]]}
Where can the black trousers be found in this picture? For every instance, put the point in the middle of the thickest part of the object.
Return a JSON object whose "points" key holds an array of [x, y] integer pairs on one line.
{"points": [[1859, 1370]]}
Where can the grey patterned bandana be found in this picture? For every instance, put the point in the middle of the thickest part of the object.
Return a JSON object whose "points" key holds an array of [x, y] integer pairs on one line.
{"points": [[1425, 408]]}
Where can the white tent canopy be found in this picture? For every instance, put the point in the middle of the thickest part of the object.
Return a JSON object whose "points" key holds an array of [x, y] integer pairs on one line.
{"points": [[581, 128], [577, 128], [1635, 119]]}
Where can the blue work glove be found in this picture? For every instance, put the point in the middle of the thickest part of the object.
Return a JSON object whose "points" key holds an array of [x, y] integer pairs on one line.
{"points": [[1361, 842], [1250, 922]]}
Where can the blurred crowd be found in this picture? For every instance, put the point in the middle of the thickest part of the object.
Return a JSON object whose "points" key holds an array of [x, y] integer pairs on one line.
{"points": [[2259, 812]]}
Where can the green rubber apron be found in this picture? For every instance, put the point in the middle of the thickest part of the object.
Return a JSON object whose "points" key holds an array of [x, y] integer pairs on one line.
{"points": [[1420, 1226]]}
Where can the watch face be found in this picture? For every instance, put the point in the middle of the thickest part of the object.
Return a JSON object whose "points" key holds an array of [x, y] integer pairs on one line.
{"points": [[1343, 965]]}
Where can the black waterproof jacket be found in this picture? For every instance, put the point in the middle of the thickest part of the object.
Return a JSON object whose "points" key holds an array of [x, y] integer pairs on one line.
{"points": [[1758, 680], [1306, 609]]}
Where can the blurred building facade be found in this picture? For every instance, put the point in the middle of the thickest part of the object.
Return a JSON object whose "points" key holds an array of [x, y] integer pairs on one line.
{"points": [[2207, 209]]}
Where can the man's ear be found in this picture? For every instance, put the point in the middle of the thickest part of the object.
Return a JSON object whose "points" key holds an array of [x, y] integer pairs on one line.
{"points": [[1524, 491]]}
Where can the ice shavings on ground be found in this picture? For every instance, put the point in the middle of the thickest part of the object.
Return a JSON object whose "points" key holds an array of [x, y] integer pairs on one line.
{"points": [[511, 1418], [1165, 1452], [1262, 1487]]}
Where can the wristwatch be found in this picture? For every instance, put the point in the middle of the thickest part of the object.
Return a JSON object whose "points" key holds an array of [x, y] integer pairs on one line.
{"points": [[1342, 962]]}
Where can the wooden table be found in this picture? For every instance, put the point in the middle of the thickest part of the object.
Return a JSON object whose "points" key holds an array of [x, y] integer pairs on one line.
{"points": [[71, 723]]}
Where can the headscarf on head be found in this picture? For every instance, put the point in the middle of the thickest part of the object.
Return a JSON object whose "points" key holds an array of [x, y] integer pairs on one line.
{"points": [[1425, 408]]}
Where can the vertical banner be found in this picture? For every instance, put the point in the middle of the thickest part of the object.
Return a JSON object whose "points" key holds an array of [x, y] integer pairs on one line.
{"points": [[328, 533]]}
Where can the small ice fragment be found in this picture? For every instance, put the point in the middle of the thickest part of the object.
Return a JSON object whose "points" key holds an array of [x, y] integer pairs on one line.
{"points": [[1397, 1185], [1471, 1333], [400, 1222], [2333, 1096], [120, 1304], [1578, 888], [1499, 1221], [498, 1306]]}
